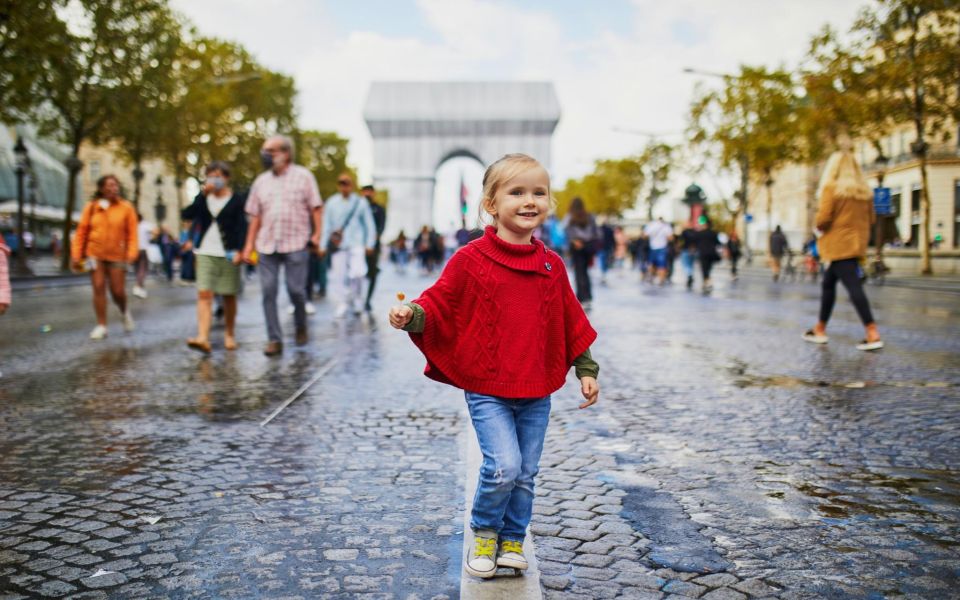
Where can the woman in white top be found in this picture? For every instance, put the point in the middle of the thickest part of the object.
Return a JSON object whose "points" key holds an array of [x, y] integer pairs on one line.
{"points": [[218, 217]]}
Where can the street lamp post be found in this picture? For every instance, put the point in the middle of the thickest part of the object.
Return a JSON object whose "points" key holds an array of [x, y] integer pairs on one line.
{"points": [[137, 178], [22, 164], [159, 209], [32, 193]]}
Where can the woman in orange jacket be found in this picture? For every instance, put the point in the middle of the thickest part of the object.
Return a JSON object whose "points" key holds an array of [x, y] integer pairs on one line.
{"points": [[106, 237]]}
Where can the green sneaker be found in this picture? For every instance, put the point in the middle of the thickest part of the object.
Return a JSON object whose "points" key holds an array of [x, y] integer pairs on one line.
{"points": [[481, 561], [510, 555]]}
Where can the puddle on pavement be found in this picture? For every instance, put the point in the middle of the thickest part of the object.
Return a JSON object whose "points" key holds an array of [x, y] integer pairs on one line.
{"points": [[676, 539], [924, 501], [743, 379]]}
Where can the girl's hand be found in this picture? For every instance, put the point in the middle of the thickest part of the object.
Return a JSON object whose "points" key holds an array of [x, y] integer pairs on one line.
{"points": [[590, 390], [400, 316]]}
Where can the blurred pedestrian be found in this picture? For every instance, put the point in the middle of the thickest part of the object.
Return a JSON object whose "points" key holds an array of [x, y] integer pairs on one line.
{"points": [[606, 246], [189, 238], [584, 237], [707, 242], [380, 221], [510, 361], [844, 215], [779, 247], [4, 277], [688, 252], [619, 248], [349, 235], [144, 235], [285, 211], [425, 245], [399, 252], [734, 252], [660, 235], [106, 238], [218, 216]]}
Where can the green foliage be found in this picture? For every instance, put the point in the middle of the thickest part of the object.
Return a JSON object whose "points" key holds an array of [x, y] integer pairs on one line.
{"points": [[325, 154], [223, 106], [31, 35], [610, 189], [656, 162]]}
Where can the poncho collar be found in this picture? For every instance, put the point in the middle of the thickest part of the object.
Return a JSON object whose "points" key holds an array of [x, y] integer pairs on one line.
{"points": [[521, 257]]}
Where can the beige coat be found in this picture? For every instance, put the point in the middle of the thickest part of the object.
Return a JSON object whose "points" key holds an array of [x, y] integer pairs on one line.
{"points": [[845, 223]]}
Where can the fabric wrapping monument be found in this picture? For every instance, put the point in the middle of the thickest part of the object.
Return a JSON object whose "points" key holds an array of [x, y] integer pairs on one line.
{"points": [[417, 126]]}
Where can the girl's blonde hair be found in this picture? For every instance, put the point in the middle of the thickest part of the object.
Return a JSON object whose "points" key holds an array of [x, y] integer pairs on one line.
{"points": [[501, 172], [843, 177]]}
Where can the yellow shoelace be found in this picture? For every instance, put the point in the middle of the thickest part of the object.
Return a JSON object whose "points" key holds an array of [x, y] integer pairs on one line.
{"points": [[511, 546], [484, 546]]}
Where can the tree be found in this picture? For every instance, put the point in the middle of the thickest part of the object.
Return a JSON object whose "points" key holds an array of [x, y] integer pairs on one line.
{"points": [[914, 55], [656, 161], [325, 154], [30, 36], [223, 107], [95, 52], [139, 128], [750, 125], [610, 189]]}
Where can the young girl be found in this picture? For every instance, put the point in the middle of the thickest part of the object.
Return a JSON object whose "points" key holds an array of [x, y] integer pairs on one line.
{"points": [[503, 324]]}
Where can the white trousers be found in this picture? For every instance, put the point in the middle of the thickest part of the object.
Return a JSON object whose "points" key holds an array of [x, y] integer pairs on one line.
{"points": [[348, 269]]}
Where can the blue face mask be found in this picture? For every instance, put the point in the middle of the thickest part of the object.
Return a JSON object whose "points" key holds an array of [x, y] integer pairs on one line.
{"points": [[218, 183], [266, 159]]}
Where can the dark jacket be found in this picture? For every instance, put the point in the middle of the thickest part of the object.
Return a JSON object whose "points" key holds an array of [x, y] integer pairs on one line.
{"points": [[232, 221], [706, 241]]}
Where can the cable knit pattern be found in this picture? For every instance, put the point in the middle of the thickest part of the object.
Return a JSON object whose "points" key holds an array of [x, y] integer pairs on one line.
{"points": [[502, 320]]}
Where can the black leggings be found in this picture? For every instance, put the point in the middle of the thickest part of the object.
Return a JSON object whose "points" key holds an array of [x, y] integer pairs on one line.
{"points": [[581, 262], [706, 265], [845, 271]]}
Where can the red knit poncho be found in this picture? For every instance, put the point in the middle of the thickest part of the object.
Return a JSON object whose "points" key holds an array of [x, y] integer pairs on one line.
{"points": [[502, 320]]}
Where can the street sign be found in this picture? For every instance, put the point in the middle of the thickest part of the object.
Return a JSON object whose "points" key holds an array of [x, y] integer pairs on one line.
{"points": [[748, 218], [881, 201]]}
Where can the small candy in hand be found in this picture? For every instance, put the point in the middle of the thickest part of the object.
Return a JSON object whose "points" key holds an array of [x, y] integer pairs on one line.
{"points": [[401, 296]]}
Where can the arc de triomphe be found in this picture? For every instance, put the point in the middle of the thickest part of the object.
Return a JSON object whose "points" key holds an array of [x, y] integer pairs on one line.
{"points": [[417, 126]]}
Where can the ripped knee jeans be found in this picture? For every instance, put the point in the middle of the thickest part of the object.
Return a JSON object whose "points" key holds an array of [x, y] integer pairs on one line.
{"points": [[510, 433]]}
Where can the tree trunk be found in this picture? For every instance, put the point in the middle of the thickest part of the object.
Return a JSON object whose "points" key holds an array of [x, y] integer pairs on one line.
{"points": [[769, 207], [73, 167], [926, 268]]}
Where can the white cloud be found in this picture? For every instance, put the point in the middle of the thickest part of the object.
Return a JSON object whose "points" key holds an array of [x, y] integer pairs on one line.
{"points": [[613, 78]]}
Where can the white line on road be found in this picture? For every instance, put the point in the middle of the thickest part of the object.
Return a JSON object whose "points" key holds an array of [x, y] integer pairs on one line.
{"points": [[323, 371]]}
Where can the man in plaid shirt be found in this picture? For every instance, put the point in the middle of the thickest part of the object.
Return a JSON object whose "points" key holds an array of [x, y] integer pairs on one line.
{"points": [[285, 212]]}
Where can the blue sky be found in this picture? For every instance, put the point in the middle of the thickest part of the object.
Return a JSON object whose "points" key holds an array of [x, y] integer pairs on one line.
{"points": [[615, 63]]}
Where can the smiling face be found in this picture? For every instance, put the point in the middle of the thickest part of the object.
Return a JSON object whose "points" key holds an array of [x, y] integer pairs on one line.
{"points": [[521, 204]]}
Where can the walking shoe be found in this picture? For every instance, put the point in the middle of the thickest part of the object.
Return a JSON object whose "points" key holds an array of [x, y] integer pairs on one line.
{"points": [[310, 308], [139, 292], [302, 337], [99, 332], [510, 555], [814, 337], [128, 323], [866, 346], [481, 560], [341, 311], [273, 348]]}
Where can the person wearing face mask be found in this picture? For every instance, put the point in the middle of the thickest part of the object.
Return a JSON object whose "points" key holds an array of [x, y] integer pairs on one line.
{"points": [[285, 212], [218, 219]]}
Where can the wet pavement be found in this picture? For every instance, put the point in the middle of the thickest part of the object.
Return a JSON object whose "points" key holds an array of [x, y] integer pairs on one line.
{"points": [[726, 460]]}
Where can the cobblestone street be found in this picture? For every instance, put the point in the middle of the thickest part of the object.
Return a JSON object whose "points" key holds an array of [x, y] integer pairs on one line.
{"points": [[726, 459]]}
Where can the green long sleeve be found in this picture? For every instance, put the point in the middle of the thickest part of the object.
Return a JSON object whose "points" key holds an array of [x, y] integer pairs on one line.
{"points": [[585, 366], [419, 319]]}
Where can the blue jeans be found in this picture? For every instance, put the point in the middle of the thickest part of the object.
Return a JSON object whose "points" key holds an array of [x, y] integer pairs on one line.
{"points": [[510, 433]]}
